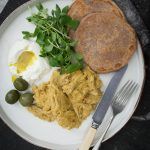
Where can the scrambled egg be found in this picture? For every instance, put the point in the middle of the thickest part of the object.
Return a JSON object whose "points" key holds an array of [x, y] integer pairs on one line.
{"points": [[68, 98]]}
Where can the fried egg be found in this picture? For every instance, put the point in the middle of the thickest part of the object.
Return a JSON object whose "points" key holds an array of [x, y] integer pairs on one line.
{"points": [[24, 60]]}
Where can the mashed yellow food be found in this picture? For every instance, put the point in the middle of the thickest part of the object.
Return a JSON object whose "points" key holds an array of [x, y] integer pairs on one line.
{"points": [[68, 98]]}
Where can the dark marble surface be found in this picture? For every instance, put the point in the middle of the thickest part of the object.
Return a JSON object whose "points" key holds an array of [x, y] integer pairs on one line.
{"points": [[136, 133]]}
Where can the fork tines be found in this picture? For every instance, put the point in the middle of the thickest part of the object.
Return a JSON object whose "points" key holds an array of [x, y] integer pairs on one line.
{"points": [[125, 92]]}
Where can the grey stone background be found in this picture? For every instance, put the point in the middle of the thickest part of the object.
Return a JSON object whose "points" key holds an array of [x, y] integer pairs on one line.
{"points": [[2, 4]]}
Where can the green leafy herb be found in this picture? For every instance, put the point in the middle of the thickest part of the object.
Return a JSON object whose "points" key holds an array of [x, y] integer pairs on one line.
{"points": [[51, 34]]}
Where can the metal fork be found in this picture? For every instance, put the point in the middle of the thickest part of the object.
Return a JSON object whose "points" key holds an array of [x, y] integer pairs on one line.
{"points": [[120, 100]]}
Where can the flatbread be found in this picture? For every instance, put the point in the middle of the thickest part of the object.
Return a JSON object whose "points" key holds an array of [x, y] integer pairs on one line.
{"points": [[81, 8], [106, 41]]}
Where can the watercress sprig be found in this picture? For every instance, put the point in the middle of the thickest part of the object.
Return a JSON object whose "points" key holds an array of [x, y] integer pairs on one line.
{"points": [[51, 34]]}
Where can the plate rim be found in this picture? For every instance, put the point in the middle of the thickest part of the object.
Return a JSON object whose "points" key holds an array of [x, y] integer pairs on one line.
{"points": [[25, 135]]}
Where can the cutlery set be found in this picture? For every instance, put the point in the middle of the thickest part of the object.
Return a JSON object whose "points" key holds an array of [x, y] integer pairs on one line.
{"points": [[117, 101]]}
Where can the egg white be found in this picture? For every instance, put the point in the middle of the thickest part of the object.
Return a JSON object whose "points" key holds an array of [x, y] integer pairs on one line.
{"points": [[35, 72]]}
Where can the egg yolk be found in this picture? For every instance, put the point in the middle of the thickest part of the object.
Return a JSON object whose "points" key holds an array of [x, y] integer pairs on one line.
{"points": [[26, 59]]}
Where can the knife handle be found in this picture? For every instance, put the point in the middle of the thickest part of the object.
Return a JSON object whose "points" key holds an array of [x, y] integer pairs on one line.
{"points": [[88, 139]]}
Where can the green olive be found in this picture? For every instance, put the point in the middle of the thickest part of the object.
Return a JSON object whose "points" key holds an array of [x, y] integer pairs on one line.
{"points": [[26, 99], [12, 97], [20, 84]]}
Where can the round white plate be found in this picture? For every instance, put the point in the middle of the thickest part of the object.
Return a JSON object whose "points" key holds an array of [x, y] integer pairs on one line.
{"points": [[39, 132]]}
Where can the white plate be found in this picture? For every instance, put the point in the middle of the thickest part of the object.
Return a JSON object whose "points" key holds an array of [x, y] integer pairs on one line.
{"points": [[39, 132]]}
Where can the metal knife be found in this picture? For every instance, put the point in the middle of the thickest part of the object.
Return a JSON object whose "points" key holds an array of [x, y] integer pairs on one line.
{"points": [[103, 107]]}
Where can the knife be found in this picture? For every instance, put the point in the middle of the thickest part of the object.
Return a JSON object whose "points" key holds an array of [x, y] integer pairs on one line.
{"points": [[102, 107]]}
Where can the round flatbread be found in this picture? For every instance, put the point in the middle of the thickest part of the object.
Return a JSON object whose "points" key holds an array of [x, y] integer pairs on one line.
{"points": [[81, 8], [106, 41]]}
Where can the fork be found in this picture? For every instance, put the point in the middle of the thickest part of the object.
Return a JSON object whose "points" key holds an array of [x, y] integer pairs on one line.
{"points": [[120, 100]]}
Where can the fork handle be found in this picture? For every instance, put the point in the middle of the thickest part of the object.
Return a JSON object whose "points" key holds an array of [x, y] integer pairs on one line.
{"points": [[98, 144], [88, 139]]}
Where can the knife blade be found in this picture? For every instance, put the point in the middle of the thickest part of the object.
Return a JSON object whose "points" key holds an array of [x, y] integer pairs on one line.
{"points": [[107, 98]]}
